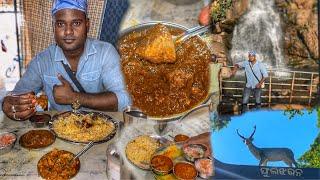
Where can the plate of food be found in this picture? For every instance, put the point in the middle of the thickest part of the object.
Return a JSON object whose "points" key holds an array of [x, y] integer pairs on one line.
{"points": [[83, 127], [140, 150], [188, 161], [37, 139], [58, 164]]}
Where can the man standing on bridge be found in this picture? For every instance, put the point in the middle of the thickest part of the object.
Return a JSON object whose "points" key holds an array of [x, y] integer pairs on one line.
{"points": [[256, 73]]}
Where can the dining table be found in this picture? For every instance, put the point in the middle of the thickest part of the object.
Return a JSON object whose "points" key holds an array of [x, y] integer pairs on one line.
{"points": [[103, 161]]}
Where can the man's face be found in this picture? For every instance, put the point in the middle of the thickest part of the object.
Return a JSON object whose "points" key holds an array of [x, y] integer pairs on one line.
{"points": [[70, 29], [252, 58]]}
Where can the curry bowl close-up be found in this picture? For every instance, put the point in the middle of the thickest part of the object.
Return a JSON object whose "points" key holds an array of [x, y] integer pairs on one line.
{"points": [[164, 84]]}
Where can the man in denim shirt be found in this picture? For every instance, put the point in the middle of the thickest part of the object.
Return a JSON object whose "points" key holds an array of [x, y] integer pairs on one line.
{"points": [[95, 64], [256, 74]]}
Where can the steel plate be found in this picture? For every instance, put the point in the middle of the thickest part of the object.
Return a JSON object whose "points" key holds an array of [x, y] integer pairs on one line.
{"points": [[106, 117]]}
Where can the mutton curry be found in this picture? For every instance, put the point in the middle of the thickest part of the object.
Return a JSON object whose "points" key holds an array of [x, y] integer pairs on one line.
{"points": [[164, 87]]}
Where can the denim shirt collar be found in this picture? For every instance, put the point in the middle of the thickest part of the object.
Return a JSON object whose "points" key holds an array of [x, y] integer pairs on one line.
{"points": [[88, 50]]}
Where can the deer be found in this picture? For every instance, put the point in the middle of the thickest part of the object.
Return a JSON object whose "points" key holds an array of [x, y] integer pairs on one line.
{"points": [[264, 155]]}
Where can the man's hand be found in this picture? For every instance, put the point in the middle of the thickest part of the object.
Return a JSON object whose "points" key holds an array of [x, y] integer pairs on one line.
{"points": [[204, 16], [19, 107], [258, 86], [203, 139], [64, 93]]}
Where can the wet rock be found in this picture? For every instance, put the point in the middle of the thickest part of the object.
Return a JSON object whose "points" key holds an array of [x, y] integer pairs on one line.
{"points": [[216, 44], [302, 17], [304, 4], [217, 29], [310, 38], [237, 10], [297, 62], [301, 32], [226, 72], [219, 49], [293, 44], [222, 34], [217, 38], [227, 25]]}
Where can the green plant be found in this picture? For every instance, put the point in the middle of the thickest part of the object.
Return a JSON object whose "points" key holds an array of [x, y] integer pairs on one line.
{"points": [[290, 112], [219, 9], [311, 158]]}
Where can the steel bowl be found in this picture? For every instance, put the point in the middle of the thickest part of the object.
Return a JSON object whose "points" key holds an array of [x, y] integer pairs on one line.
{"points": [[202, 173], [185, 163], [8, 148], [157, 171], [77, 161], [143, 26], [199, 148], [181, 138], [40, 120], [134, 111], [35, 131]]}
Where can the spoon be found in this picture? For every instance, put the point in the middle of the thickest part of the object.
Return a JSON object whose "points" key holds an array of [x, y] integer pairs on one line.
{"points": [[191, 111], [85, 149], [192, 32]]}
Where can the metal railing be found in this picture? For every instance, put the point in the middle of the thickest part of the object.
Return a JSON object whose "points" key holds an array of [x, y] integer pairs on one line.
{"points": [[282, 86]]}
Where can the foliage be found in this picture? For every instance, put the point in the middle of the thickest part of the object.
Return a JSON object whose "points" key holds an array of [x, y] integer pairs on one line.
{"points": [[311, 158], [219, 122], [219, 9], [290, 112], [319, 117]]}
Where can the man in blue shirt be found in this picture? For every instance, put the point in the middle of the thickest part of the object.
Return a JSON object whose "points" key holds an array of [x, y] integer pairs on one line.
{"points": [[95, 64], [256, 74]]}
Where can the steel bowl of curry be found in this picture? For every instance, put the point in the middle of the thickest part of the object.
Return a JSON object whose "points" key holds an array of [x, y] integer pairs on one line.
{"points": [[161, 165], [58, 164], [165, 79], [185, 170], [37, 139], [40, 120]]}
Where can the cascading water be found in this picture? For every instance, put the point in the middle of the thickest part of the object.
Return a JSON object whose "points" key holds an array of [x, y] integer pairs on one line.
{"points": [[259, 29]]}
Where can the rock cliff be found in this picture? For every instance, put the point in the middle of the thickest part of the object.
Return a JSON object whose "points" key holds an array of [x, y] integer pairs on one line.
{"points": [[299, 25]]}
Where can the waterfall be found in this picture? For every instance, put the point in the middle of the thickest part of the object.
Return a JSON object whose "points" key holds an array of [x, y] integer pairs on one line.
{"points": [[260, 30]]}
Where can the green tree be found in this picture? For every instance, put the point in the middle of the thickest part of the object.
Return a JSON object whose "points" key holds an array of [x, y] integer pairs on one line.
{"points": [[219, 9], [291, 113], [311, 158]]}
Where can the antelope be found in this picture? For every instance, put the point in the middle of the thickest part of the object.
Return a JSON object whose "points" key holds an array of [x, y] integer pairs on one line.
{"points": [[269, 154]]}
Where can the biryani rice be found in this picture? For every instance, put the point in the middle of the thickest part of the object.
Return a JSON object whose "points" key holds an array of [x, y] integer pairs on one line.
{"points": [[140, 150], [66, 128]]}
